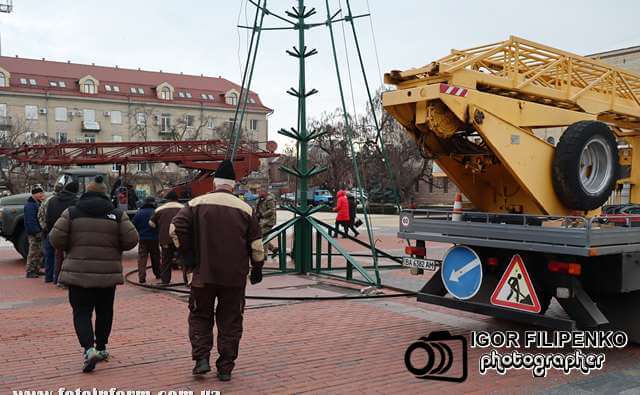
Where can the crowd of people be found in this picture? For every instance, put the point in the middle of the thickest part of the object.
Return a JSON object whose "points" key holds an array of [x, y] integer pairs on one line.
{"points": [[80, 241], [215, 238]]}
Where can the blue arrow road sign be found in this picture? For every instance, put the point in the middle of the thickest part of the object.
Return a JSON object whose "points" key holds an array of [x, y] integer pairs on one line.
{"points": [[461, 272]]}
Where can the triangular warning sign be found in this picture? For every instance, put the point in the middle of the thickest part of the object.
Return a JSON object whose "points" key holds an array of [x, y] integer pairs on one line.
{"points": [[515, 289]]}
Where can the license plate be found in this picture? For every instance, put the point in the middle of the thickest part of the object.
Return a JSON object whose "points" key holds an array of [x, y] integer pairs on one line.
{"points": [[426, 264]]}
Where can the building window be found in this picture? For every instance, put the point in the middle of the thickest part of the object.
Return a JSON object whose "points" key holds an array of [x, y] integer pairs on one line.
{"points": [[181, 94], [107, 88], [210, 123], [165, 93], [232, 99], [32, 82], [89, 87], [116, 88], [62, 137], [116, 117], [143, 167], [89, 138], [3, 111], [445, 185], [188, 94], [132, 89], [253, 124], [202, 95], [61, 114], [189, 120], [141, 91], [31, 112], [165, 123], [23, 81], [62, 84], [252, 100], [53, 83], [89, 115], [141, 119], [3, 79], [210, 97]]}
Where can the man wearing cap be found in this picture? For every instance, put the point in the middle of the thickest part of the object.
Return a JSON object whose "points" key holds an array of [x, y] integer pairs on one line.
{"points": [[161, 220], [266, 212], [148, 246], [94, 235], [55, 207], [34, 231], [224, 235], [47, 249]]}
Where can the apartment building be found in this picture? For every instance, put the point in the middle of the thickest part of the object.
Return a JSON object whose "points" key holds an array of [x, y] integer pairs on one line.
{"points": [[45, 101]]}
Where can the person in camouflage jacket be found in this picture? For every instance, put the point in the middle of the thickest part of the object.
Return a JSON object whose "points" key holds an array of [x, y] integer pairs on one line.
{"points": [[266, 213]]}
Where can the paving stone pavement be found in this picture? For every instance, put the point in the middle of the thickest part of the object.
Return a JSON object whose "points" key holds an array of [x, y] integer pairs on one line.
{"points": [[320, 347]]}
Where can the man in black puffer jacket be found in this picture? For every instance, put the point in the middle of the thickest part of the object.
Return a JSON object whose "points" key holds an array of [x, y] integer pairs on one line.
{"points": [[93, 234], [55, 207]]}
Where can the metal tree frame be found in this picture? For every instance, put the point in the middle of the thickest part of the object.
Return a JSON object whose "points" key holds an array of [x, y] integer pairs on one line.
{"points": [[303, 222]]}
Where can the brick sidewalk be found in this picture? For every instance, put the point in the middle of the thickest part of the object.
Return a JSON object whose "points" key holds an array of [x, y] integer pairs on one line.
{"points": [[313, 347]]}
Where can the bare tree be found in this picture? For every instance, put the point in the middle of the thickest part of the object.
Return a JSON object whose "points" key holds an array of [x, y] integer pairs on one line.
{"points": [[16, 176]]}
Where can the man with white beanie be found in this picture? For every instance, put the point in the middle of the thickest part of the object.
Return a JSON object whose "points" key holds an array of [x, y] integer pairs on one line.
{"points": [[222, 236]]}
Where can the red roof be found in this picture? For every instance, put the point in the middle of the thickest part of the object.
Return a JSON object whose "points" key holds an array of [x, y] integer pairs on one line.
{"points": [[45, 71]]}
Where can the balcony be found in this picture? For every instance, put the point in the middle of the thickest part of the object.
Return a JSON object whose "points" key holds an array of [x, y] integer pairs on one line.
{"points": [[90, 126]]}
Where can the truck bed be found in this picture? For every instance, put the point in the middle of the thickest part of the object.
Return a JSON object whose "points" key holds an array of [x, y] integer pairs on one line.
{"points": [[549, 234]]}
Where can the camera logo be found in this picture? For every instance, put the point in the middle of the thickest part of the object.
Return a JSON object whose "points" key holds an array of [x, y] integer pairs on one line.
{"points": [[440, 362]]}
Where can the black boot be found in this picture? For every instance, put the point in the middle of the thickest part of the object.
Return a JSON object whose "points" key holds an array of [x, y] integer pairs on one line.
{"points": [[224, 376], [202, 366]]}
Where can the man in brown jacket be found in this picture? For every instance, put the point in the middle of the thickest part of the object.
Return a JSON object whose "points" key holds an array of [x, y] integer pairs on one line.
{"points": [[93, 234], [161, 220], [225, 236]]}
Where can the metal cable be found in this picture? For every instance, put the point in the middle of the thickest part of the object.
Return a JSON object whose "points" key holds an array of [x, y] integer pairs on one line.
{"points": [[168, 288]]}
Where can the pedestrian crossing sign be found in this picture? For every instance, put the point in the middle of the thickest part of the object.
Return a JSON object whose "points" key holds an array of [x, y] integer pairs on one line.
{"points": [[515, 289]]}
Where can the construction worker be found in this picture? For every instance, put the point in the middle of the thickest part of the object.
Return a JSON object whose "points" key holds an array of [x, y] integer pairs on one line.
{"points": [[266, 213], [47, 250], [149, 247], [34, 231], [161, 220], [223, 253], [94, 235]]}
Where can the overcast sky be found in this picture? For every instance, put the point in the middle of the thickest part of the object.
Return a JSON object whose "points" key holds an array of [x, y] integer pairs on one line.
{"points": [[201, 37]]}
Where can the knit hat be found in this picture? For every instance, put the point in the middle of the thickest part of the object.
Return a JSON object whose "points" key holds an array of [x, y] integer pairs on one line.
{"points": [[72, 187], [36, 189], [225, 175], [149, 201], [171, 195], [97, 185]]}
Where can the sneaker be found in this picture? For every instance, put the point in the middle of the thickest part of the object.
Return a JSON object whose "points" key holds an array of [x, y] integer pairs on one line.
{"points": [[32, 275], [48, 280], [202, 367], [90, 360], [103, 355], [224, 376]]}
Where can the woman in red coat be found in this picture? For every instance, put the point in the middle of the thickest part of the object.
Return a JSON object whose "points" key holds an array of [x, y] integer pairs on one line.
{"points": [[342, 207]]}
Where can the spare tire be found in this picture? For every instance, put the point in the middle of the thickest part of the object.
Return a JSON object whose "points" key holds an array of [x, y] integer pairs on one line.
{"points": [[585, 165]]}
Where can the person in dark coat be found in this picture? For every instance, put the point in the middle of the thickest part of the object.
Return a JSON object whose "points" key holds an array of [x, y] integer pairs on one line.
{"points": [[93, 234], [56, 206], [353, 208], [161, 220], [224, 233], [149, 245], [132, 198], [34, 231]]}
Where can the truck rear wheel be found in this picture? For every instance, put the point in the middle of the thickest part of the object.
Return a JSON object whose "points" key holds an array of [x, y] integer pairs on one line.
{"points": [[585, 165]]}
